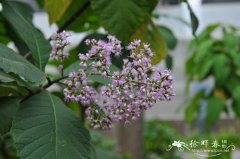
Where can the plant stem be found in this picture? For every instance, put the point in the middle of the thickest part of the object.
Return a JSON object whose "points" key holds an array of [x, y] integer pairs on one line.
{"points": [[28, 55], [43, 88], [82, 113], [54, 81]]}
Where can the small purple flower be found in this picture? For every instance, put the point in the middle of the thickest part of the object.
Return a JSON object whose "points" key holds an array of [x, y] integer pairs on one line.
{"points": [[59, 43], [87, 42]]}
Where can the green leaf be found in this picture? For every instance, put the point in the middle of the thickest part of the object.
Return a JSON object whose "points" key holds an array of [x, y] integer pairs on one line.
{"points": [[214, 108], [204, 68], [207, 32], [40, 3], [27, 12], [84, 21], [236, 92], [232, 83], [8, 108], [194, 19], [149, 33], [221, 68], [99, 79], [235, 56], [189, 66], [169, 61], [192, 109], [152, 5], [236, 107], [203, 50], [3, 31], [44, 127], [12, 89], [106, 154], [18, 42], [35, 40], [168, 36], [7, 32], [56, 9], [24, 9], [204, 35], [231, 41], [5, 78], [121, 17], [92, 78], [13, 62], [73, 67]]}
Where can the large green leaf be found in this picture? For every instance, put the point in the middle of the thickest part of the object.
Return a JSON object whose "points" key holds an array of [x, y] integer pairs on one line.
{"points": [[35, 40], [149, 33], [7, 31], [13, 62], [8, 108], [214, 108], [121, 17], [44, 127], [56, 9]]}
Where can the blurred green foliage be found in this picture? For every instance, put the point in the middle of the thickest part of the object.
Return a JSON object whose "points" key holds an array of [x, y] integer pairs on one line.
{"points": [[216, 58], [127, 19], [157, 136]]}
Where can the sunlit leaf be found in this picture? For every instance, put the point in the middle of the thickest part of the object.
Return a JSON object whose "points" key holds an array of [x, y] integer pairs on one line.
{"points": [[56, 9]]}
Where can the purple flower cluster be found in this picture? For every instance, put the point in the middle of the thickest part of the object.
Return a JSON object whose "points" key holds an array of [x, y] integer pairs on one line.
{"points": [[137, 87], [78, 89], [59, 43], [100, 55]]}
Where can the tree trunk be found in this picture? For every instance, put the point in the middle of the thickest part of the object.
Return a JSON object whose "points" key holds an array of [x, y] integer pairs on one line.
{"points": [[130, 139]]}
